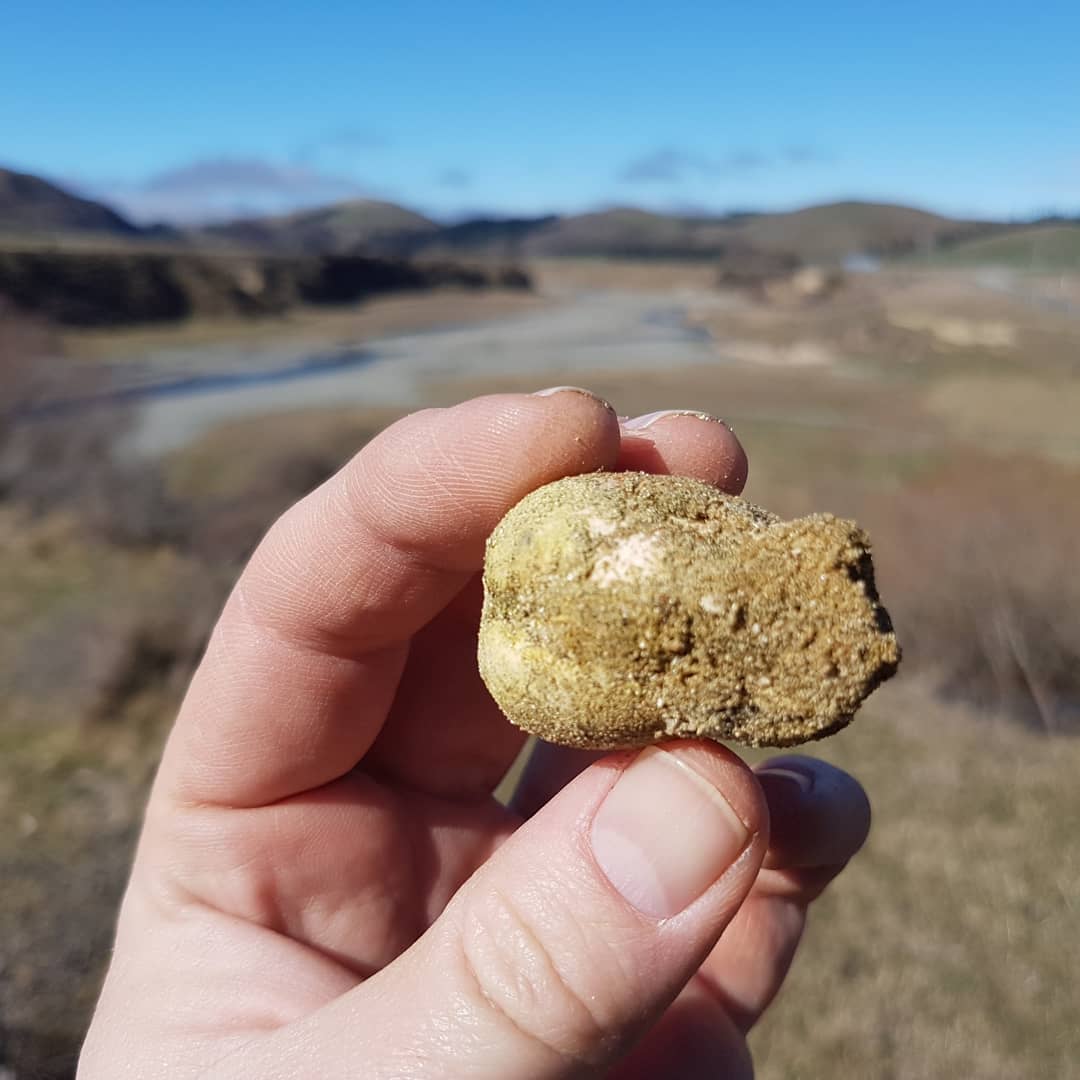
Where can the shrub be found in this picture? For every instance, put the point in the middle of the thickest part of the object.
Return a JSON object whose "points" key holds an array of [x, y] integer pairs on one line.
{"points": [[981, 579], [55, 457]]}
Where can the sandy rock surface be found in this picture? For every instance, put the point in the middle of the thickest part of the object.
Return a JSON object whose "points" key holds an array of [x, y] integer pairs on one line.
{"points": [[624, 608]]}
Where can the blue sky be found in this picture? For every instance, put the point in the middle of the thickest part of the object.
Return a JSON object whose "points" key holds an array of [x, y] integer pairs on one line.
{"points": [[198, 110]]}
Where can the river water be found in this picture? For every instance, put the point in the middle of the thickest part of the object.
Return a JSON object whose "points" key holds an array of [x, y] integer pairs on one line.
{"points": [[600, 331]]}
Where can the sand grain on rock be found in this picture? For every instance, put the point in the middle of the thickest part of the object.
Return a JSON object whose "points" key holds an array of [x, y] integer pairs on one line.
{"points": [[624, 608]]}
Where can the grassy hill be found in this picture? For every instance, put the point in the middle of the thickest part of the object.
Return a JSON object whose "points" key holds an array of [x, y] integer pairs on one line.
{"points": [[817, 234], [484, 236], [34, 210], [29, 204], [1042, 247], [827, 233], [631, 233], [833, 231], [338, 229], [78, 263]]}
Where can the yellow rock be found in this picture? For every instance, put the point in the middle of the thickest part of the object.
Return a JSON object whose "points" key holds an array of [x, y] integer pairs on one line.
{"points": [[621, 608]]}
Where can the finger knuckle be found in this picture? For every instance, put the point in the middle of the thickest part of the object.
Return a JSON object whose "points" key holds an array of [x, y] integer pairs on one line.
{"points": [[527, 986]]}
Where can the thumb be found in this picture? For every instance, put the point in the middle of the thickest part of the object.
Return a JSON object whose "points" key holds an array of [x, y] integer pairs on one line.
{"points": [[573, 938]]}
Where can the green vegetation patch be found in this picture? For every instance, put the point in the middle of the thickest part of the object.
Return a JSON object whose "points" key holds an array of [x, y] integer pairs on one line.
{"points": [[1043, 248]]}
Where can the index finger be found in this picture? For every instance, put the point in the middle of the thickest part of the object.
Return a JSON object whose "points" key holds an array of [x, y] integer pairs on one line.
{"points": [[303, 664]]}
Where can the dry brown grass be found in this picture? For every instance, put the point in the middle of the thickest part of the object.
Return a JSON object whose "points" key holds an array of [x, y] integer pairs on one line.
{"points": [[981, 557], [976, 547], [96, 643], [376, 318], [235, 481], [45, 460], [923, 324], [1019, 414], [947, 948], [555, 275]]}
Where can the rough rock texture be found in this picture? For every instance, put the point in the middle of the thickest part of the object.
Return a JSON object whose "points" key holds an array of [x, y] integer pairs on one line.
{"points": [[624, 608]]}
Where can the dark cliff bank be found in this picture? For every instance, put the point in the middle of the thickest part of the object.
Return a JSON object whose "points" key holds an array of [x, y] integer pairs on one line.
{"points": [[114, 288]]}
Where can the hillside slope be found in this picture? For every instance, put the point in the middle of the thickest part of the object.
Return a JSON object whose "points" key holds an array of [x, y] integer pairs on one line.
{"points": [[834, 231], [817, 234], [342, 228], [32, 207], [117, 288], [1052, 247], [632, 233], [29, 204], [483, 236]]}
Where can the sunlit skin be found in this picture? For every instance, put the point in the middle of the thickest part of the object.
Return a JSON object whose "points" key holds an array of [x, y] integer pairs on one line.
{"points": [[325, 885]]}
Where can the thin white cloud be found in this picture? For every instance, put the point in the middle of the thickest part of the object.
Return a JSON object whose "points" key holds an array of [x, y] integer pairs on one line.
{"points": [[671, 165], [218, 188]]}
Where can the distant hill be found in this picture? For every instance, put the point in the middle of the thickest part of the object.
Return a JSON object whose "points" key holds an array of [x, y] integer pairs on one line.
{"points": [[817, 234], [498, 237], [632, 233], [834, 231], [1050, 247], [827, 233], [29, 204], [32, 207], [360, 224]]}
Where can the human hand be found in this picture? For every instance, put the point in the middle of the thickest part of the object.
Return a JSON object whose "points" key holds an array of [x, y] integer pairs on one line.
{"points": [[325, 886]]}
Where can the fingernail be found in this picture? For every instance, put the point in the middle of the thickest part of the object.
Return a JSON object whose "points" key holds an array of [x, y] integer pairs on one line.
{"points": [[803, 780], [640, 423], [664, 834], [573, 390]]}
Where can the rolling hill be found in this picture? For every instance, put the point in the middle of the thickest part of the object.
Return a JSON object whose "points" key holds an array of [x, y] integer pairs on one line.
{"points": [[485, 236], [631, 233], [833, 231], [32, 207], [818, 234], [343, 228], [1046, 247], [29, 204]]}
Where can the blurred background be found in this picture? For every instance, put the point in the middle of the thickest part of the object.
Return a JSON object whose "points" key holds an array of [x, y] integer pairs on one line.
{"points": [[237, 240]]}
